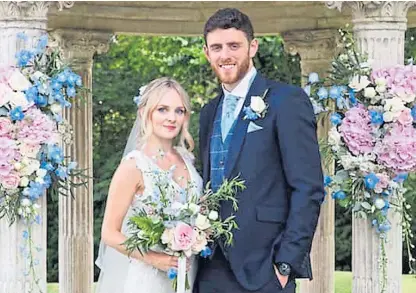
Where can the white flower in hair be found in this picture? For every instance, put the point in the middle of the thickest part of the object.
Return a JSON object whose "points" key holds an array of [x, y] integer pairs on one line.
{"points": [[137, 99]]}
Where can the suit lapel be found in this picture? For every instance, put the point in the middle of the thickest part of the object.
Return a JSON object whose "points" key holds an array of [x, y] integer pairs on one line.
{"points": [[211, 117], [257, 89]]}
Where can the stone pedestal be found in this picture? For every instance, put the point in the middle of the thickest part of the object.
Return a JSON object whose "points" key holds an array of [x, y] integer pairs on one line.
{"points": [[76, 241], [316, 49]]}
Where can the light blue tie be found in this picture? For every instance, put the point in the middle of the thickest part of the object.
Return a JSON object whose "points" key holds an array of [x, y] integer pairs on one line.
{"points": [[230, 103]]}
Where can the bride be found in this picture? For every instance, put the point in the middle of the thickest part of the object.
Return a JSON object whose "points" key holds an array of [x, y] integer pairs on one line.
{"points": [[162, 119]]}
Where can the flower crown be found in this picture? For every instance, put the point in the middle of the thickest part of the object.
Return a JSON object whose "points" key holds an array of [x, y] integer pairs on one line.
{"points": [[138, 98]]}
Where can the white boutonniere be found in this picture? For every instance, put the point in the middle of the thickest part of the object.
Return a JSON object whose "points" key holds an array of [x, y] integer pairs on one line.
{"points": [[258, 107]]}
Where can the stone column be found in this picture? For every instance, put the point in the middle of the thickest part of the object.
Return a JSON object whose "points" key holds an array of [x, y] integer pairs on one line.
{"points": [[316, 49], [379, 28], [31, 19], [76, 242]]}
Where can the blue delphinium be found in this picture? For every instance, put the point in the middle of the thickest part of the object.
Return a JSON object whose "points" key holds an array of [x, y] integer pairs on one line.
{"points": [[371, 181]]}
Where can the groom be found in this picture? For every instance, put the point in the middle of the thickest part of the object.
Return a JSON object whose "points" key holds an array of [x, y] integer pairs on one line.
{"points": [[264, 131]]}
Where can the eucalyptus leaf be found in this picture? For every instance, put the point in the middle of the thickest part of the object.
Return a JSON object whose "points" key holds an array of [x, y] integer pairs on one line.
{"points": [[366, 205]]}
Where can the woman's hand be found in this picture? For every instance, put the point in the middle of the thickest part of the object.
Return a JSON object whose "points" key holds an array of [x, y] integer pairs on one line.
{"points": [[163, 261]]}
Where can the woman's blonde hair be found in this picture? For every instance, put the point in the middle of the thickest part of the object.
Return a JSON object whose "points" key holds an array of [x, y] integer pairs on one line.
{"points": [[150, 98]]}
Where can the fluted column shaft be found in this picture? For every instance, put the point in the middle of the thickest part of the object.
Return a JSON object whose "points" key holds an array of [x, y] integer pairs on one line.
{"points": [[29, 18], [379, 28], [316, 49], [76, 242]]}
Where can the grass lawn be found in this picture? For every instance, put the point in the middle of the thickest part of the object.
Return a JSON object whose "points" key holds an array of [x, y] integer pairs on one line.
{"points": [[343, 283]]}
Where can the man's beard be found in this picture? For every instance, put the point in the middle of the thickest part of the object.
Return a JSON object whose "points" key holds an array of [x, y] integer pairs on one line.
{"points": [[232, 79]]}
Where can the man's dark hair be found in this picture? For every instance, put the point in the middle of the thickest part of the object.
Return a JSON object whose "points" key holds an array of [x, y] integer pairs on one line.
{"points": [[229, 18]]}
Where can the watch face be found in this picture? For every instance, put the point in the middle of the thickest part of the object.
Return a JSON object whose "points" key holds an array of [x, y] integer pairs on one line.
{"points": [[284, 269]]}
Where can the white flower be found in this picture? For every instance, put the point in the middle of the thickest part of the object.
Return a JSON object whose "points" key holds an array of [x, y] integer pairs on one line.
{"points": [[394, 105], [202, 222], [406, 98], [194, 208], [5, 92], [26, 202], [381, 82], [388, 116], [213, 215], [17, 166], [381, 89], [359, 82], [19, 82], [334, 137], [167, 236], [38, 75], [36, 206], [379, 203], [18, 99], [39, 180], [41, 173], [370, 92], [24, 182], [56, 108], [257, 104]]}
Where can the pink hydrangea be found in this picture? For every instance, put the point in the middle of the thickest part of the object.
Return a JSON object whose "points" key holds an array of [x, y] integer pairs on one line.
{"points": [[356, 130], [6, 126], [397, 150], [400, 79], [405, 118], [7, 155], [10, 181], [37, 128]]}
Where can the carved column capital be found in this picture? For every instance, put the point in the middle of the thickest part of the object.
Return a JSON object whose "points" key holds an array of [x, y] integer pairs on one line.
{"points": [[80, 46], [29, 10], [370, 11], [312, 44]]}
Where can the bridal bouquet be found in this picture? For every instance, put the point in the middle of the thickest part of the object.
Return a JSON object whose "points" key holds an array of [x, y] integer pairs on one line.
{"points": [[181, 223]]}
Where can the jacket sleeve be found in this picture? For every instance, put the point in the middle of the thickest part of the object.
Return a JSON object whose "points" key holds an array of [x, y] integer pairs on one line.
{"points": [[297, 139]]}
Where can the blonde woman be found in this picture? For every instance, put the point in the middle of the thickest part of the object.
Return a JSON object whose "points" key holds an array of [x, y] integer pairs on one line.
{"points": [[160, 141]]}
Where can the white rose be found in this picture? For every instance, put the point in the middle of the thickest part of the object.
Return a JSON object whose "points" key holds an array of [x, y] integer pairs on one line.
{"points": [[213, 215], [24, 182], [370, 92], [56, 108], [394, 105], [379, 203], [17, 166], [381, 82], [18, 99], [19, 82], [381, 89], [26, 202], [257, 104], [359, 82], [388, 116], [194, 208], [202, 222], [41, 173], [167, 236]]}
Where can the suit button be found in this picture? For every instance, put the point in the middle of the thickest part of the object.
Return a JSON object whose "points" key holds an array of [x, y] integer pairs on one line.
{"points": [[222, 163]]}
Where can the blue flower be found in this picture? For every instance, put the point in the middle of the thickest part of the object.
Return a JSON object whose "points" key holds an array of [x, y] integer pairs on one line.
{"points": [[23, 57], [56, 84], [340, 195], [353, 99], [31, 93], [322, 93], [42, 43], [47, 181], [371, 181], [401, 177], [41, 101], [334, 92], [250, 114], [47, 166], [35, 190], [55, 154], [70, 91], [16, 114], [172, 273], [374, 222], [307, 90], [38, 219], [376, 117], [22, 36], [336, 119], [383, 227], [341, 103], [61, 172], [206, 252], [25, 234], [414, 113], [313, 78], [72, 166], [327, 180]]}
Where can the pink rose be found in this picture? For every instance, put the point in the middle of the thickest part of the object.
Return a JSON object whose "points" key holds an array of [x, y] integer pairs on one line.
{"points": [[183, 237], [5, 126], [10, 181], [405, 117], [383, 182]]}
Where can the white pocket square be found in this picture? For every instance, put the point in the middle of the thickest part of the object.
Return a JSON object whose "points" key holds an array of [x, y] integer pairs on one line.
{"points": [[253, 127]]}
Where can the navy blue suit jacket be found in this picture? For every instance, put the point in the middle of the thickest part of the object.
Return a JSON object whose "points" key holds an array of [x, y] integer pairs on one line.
{"points": [[281, 165]]}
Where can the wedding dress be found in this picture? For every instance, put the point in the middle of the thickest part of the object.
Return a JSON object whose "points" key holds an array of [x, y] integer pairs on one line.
{"points": [[121, 274]]}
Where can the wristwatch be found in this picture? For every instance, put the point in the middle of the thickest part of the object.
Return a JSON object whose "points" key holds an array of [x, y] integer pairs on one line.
{"points": [[284, 268]]}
